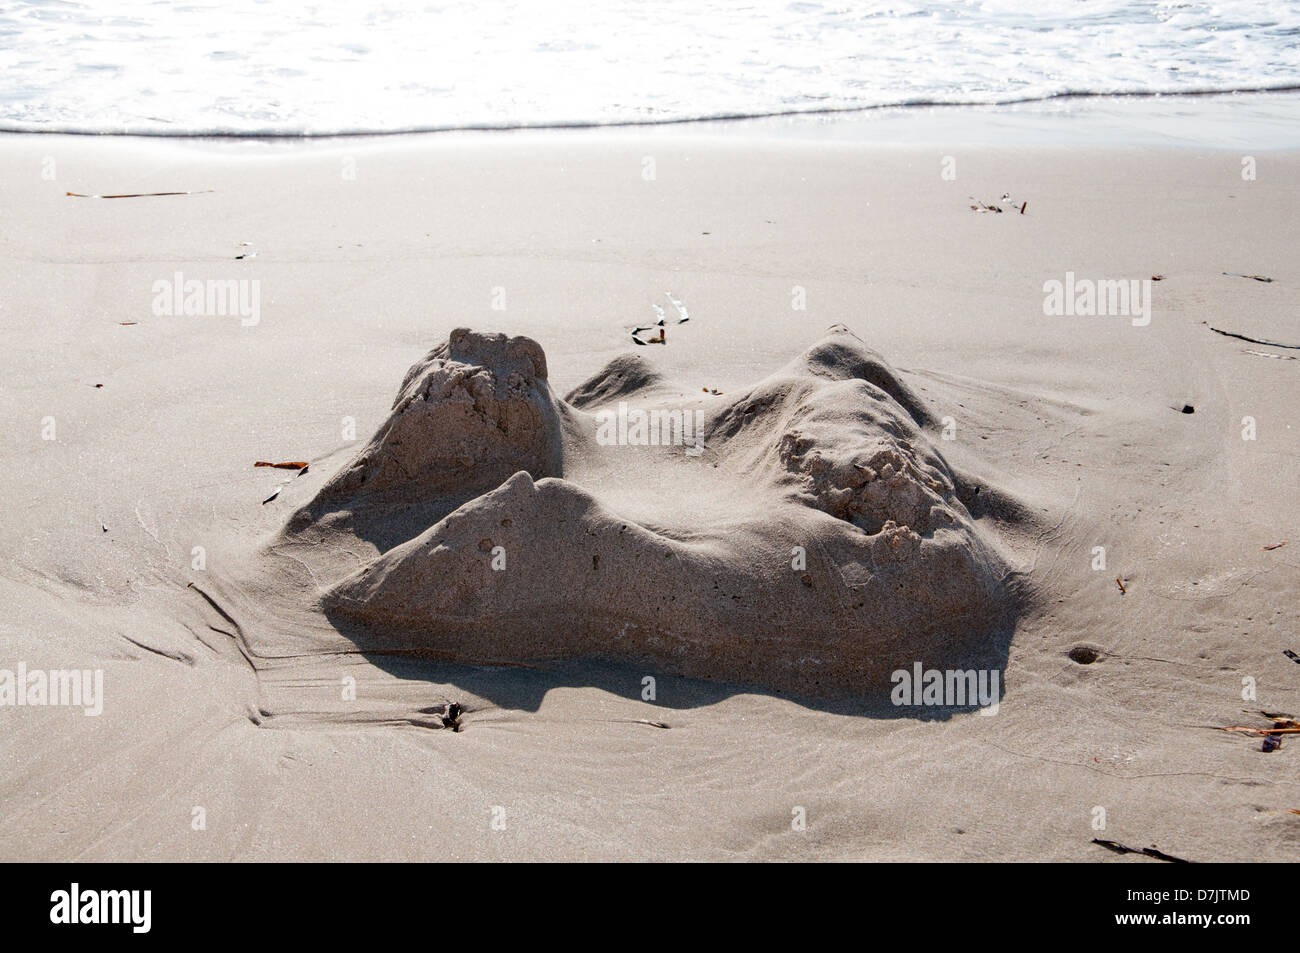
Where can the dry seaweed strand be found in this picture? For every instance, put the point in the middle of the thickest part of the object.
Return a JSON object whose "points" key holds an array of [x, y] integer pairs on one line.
{"points": [[134, 195], [1151, 851], [1243, 337]]}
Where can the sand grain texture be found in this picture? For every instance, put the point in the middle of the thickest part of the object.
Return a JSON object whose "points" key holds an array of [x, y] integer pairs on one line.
{"points": [[300, 742]]}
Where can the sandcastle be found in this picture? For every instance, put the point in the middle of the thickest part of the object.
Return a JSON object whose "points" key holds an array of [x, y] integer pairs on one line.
{"points": [[813, 542]]}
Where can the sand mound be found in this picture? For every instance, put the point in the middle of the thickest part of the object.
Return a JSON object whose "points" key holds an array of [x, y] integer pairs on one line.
{"points": [[806, 536], [474, 411], [628, 374]]}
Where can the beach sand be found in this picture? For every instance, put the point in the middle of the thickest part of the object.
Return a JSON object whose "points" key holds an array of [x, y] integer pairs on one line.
{"points": [[241, 721]]}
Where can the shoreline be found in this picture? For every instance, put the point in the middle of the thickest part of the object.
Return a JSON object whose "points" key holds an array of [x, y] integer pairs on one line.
{"points": [[1267, 120]]}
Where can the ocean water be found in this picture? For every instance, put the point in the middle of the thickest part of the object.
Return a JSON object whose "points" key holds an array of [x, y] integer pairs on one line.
{"points": [[260, 67]]}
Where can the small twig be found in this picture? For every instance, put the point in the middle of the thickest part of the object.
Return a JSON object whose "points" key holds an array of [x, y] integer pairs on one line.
{"points": [[1242, 337], [1151, 851], [134, 195], [1261, 731]]}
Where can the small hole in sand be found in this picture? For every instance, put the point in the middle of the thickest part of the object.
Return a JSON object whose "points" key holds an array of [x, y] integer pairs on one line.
{"points": [[1084, 654]]}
